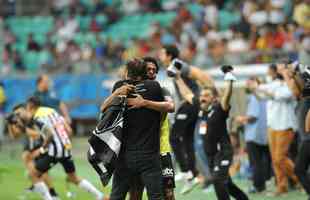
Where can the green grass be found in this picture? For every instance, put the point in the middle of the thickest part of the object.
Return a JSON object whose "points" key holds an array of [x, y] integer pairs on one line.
{"points": [[13, 180]]}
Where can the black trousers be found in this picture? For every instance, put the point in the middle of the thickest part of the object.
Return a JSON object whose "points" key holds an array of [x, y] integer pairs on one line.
{"points": [[302, 165], [133, 164], [260, 162], [182, 137], [224, 186]]}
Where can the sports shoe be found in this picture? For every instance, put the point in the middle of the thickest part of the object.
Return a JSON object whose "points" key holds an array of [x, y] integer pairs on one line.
{"points": [[189, 185], [180, 176], [277, 194], [30, 189]]}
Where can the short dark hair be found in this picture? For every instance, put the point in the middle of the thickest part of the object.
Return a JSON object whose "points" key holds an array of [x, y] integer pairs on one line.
{"points": [[34, 101], [39, 79], [152, 60], [273, 67], [172, 50], [136, 68], [18, 106]]}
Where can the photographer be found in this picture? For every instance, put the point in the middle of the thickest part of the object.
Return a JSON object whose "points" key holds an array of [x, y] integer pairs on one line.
{"points": [[46, 123], [217, 143], [297, 76], [281, 122], [182, 132], [32, 143]]}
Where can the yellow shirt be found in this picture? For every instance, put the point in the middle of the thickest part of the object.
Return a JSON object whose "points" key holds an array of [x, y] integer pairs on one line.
{"points": [[2, 95], [43, 112], [164, 136], [302, 15], [52, 119]]}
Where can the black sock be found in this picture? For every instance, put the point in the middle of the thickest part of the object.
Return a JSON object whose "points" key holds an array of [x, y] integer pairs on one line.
{"points": [[53, 192]]}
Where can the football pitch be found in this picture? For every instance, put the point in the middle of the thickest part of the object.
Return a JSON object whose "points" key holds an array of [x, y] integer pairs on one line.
{"points": [[13, 179]]}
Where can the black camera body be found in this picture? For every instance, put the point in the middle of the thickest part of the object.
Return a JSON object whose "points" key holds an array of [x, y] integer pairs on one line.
{"points": [[13, 118]]}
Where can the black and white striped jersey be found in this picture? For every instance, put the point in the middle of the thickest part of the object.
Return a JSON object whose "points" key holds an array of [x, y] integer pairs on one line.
{"points": [[60, 146]]}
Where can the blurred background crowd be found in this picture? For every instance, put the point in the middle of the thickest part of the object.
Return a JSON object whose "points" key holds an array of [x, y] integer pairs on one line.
{"points": [[87, 36]]}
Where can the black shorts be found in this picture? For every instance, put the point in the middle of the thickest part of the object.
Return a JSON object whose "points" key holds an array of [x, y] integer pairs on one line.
{"points": [[219, 164], [167, 175], [167, 171], [44, 162]]}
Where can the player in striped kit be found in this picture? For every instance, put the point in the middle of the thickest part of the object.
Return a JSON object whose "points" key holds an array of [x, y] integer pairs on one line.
{"points": [[56, 147]]}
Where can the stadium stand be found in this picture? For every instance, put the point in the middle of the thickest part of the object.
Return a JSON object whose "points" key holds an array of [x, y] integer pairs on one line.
{"points": [[92, 37]]}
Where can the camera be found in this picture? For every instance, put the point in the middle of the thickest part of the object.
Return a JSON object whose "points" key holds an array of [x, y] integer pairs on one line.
{"points": [[13, 118], [175, 66]]}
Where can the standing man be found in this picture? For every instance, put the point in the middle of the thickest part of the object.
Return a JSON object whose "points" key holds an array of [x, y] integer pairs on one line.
{"points": [[136, 191], [297, 77], [255, 133], [139, 155], [47, 99], [217, 143], [182, 132], [281, 122]]}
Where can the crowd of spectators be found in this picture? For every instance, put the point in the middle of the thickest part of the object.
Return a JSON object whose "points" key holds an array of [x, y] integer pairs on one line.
{"points": [[208, 32]]}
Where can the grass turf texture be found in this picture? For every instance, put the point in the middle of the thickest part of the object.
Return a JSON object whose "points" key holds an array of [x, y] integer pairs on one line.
{"points": [[13, 179]]}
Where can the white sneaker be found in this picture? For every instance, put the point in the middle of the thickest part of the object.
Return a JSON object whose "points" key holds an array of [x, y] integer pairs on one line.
{"points": [[189, 185], [180, 176]]}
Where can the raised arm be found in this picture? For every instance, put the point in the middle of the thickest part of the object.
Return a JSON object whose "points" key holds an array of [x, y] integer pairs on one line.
{"points": [[201, 76], [227, 95], [229, 78], [292, 78], [185, 91]]}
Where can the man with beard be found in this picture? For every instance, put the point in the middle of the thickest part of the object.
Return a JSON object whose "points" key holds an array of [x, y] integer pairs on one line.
{"points": [[217, 144]]}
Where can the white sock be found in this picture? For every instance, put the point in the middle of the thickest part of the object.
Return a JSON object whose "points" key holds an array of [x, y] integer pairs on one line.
{"points": [[86, 185], [189, 175], [42, 189]]}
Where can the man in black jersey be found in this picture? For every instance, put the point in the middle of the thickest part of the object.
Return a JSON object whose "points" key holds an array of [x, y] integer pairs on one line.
{"points": [[217, 144], [136, 190], [139, 155], [32, 144], [182, 133]]}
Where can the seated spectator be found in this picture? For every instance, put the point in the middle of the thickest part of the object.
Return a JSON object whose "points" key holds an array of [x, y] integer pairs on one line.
{"points": [[18, 62], [32, 45], [302, 13]]}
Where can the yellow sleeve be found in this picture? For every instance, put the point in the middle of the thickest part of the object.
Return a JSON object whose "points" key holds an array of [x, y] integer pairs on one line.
{"points": [[2, 95], [164, 136]]}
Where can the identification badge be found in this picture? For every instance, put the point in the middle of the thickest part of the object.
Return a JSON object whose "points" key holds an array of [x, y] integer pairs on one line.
{"points": [[203, 128]]}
